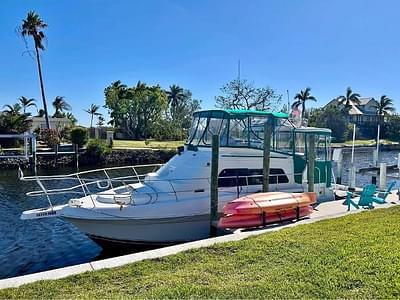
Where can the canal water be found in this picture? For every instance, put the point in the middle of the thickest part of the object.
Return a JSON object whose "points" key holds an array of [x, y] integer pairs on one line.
{"points": [[39, 245]]}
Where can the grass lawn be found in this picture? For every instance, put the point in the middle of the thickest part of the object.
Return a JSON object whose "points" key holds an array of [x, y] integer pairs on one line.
{"points": [[364, 142], [356, 256], [151, 144]]}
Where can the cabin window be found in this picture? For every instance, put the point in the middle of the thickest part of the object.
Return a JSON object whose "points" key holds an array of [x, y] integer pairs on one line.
{"points": [[321, 147], [238, 132], [300, 143], [215, 126], [243, 177]]}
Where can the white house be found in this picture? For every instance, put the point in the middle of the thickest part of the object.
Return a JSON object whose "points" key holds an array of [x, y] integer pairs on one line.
{"points": [[55, 123], [362, 113]]}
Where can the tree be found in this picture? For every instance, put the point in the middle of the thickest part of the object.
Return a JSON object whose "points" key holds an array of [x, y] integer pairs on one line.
{"points": [[349, 99], [177, 125], [25, 103], [392, 128], [41, 113], [14, 109], [60, 105], [93, 112], [32, 26], [79, 136], [175, 96], [136, 110], [116, 102], [301, 99], [329, 117], [100, 121], [384, 106], [241, 94], [12, 121], [71, 118]]}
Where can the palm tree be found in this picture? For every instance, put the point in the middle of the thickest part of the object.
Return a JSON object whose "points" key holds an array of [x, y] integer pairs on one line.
{"points": [[301, 99], [13, 109], [60, 105], [41, 113], [175, 95], [100, 121], [25, 102], [32, 26], [93, 112], [384, 106], [350, 99], [71, 118]]}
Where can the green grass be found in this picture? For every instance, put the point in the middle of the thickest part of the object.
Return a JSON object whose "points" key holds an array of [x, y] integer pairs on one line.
{"points": [[356, 256], [151, 144], [364, 142]]}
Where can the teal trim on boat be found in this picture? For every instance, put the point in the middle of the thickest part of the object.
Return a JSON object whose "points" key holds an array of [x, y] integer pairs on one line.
{"points": [[217, 113]]}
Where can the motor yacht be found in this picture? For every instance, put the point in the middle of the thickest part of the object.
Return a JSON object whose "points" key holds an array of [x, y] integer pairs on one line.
{"points": [[170, 203]]}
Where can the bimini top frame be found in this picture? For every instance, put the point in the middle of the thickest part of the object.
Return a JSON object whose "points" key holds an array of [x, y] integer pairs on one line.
{"points": [[245, 129], [236, 127]]}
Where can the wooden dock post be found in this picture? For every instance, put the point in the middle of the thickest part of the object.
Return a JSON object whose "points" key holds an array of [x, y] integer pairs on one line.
{"points": [[375, 158], [352, 174], [266, 157], [214, 186], [382, 176], [311, 162]]}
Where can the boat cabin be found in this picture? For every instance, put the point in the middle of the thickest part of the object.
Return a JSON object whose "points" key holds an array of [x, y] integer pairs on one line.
{"points": [[245, 129]]}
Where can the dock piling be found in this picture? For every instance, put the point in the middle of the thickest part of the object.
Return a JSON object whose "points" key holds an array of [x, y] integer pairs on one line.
{"points": [[382, 176], [33, 154], [352, 176], [214, 185], [375, 157], [398, 163], [266, 156]]}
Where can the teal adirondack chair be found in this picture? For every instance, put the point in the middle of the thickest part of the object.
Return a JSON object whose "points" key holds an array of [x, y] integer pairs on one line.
{"points": [[366, 198], [381, 197]]}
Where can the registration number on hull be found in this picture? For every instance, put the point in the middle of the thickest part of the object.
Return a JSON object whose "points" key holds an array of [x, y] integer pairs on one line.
{"points": [[46, 213]]}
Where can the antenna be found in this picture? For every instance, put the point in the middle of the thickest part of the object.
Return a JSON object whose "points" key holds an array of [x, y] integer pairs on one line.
{"points": [[239, 69]]}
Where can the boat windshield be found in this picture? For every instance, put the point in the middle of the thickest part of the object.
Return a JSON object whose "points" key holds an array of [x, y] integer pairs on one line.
{"points": [[240, 129]]}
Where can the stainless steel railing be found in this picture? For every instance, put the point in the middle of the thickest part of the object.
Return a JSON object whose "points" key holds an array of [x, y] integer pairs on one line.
{"points": [[102, 182]]}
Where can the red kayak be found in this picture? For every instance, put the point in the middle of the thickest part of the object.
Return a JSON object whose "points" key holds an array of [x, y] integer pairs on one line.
{"points": [[265, 208]]}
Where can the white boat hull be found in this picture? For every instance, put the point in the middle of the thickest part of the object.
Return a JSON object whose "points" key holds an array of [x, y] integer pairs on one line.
{"points": [[146, 231]]}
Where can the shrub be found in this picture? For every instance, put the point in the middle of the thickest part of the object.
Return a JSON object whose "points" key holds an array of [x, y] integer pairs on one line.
{"points": [[65, 133], [50, 137], [97, 148], [79, 136], [348, 133], [169, 130]]}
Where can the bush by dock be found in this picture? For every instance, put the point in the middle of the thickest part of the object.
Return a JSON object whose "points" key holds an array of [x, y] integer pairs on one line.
{"points": [[350, 257]]}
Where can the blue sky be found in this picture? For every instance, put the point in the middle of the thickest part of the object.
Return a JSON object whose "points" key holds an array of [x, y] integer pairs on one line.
{"points": [[285, 44]]}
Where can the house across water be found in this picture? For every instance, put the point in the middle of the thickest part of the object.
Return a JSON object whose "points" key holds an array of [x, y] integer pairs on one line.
{"points": [[364, 113]]}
